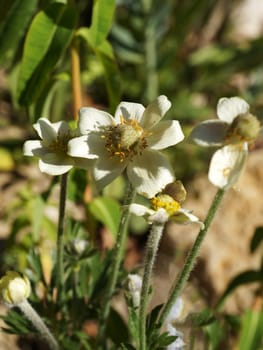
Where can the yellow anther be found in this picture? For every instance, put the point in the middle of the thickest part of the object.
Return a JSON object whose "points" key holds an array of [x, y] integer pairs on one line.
{"points": [[166, 202]]}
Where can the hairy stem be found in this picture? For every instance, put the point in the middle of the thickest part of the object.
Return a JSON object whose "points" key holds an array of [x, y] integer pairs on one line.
{"points": [[38, 323], [151, 251], [117, 258], [191, 258], [60, 236]]}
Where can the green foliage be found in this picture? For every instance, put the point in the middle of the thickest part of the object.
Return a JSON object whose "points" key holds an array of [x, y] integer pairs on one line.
{"points": [[107, 211], [15, 16], [48, 37]]}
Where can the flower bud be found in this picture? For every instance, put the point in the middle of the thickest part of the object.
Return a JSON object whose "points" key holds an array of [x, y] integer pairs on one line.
{"points": [[176, 190], [14, 288], [79, 245], [135, 286]]}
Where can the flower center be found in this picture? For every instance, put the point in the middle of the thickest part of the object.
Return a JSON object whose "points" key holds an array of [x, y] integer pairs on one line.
{"points": [[60, 144], [125, 140], [244, 128], [166, 202]]}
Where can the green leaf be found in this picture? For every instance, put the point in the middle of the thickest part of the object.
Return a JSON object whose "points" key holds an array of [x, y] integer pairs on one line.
{"points": [[102, 16], [15, 16], [116, 328], [48, 37], [251, 331], [246, 277], [107, 211], [104, 53], [256, 239]]}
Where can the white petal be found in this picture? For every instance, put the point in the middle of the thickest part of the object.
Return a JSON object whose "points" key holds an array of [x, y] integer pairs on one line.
{"points": [[165, 134], [183, 216], [90, 146], [53, 169], [92, 119], [140, 210], [61, 128], [209, 133], [229, 108], [45, 130], [129, 110], [150, 173], [226, 165], [33, 148], [107, 169], [155, 111], [159, 217]]}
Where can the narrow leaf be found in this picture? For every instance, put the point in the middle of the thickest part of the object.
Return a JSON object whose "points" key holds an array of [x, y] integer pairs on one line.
{"points": [[101, 21], [16, 17], [47, 38], [257, 239], [107, 211]]}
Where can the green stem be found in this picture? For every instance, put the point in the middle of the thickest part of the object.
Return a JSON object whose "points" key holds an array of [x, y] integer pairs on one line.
{"points": [[191, 258], [151, 250], [38, 323], [152, 84], [60, 236], [117, 258]]}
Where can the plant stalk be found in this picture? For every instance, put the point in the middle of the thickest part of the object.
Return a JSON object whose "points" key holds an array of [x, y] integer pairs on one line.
{"points": [[38, 323], [191, 258], [117, 258], [151, 251], [60, 238], [75, 77]]}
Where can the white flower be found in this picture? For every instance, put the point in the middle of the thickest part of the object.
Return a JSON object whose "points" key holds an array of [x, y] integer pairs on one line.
{"points": [[52, 148], [14, 288], [164, 208], [226, 165], [173, 315], [131, 140], [234, 126], [135, 286]]}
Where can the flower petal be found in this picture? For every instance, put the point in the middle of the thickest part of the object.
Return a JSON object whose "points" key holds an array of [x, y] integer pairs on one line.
{"points": [[176, 310], [92, 119], [209, 133], [226, 165], [183, 216], [53, 169], [106, 170], [83, 163], [140, 210], [90, 146], [129, 110], [149, 173], [61, 128], [33, 148], [165, 134], [155, 111], [229, 108], [45, 130]]}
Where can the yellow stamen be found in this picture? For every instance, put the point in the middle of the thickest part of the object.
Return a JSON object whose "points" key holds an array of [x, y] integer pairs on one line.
{"points": [[166, 202]]}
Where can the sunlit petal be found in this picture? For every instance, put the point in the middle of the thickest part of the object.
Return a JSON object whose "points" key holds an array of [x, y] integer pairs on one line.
{"points": [[229, 108], [226, 165], [45, 130], [150, 173], [92, 119], [89, 146], [165, 134], [53, 169], [129, 110], [155, 111]]}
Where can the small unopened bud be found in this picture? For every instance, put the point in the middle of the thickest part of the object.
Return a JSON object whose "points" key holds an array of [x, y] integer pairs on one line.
{"points": [[79, 245], [135, 286], [14, 288], [176, 190], [244, 128]]}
